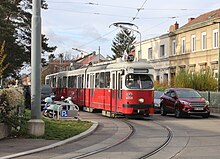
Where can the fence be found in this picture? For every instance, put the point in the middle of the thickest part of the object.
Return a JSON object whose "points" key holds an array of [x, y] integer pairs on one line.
{"points": [[214, 100]]}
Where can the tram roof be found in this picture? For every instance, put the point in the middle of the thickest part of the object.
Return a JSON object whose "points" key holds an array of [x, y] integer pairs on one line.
{"points": [[134, 64]]}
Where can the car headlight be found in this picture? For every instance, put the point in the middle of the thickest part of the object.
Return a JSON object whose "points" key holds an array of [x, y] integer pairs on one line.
{"points": [[207, 102], [141, 100], [184, 102]]}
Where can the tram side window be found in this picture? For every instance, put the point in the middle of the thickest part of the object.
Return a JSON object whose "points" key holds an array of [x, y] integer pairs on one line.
{"points": [[87, 81], [64, 82], [72, 82], [59, 82], [54, 82], [80, 84], [102, 77], [113, 81], [97, 80], [91, 81], [82, 81], [107, 80]]}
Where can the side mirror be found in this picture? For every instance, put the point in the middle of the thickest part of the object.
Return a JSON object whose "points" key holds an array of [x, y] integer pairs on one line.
{"points": [[172, 95]]}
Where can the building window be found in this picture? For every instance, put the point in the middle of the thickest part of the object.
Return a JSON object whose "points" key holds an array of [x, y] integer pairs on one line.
{"points": [[192, 68], [215, 38], [204, 43], [174, 47], [162, 50], [183, 45], [150, 53], [193, 43]]}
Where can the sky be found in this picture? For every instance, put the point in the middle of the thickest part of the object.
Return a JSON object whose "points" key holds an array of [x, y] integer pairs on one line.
{"points": [[87, 25]]}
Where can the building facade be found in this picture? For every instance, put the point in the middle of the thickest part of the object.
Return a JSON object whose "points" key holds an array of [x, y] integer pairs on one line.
{"points": [[193, 47]]}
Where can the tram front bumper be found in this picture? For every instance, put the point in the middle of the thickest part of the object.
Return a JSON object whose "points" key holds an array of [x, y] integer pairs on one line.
{"points": [[138, 106]]}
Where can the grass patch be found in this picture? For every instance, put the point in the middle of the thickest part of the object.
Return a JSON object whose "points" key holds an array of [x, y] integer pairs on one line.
{"points": [[54, 129], [60, 130]]}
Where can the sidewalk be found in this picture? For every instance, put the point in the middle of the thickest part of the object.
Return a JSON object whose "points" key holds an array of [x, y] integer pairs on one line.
{"points": [[13, 147]]}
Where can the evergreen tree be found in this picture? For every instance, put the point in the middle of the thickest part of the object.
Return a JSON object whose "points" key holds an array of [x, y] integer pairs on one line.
{"points": [[15, 30], [123, 42]]}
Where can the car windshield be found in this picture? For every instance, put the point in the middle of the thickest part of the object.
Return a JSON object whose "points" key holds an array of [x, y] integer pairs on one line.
{"points": [[157, 94], [46, 89], [188, 94], [138, 81]]}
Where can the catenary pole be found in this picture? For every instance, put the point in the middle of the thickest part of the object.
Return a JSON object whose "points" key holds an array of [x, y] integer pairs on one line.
{"points": [[36, 125]]}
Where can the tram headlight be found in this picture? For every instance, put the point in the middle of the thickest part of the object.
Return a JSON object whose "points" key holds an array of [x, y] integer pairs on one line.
{"points": [[141, 100]]}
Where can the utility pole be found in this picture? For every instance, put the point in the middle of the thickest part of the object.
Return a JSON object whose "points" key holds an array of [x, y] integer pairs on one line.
{"points": [[99, 53], [36, 125]]}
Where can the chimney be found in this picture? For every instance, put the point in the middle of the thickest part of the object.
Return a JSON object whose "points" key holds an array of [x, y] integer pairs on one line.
{"points": [[190, 19], [176, 26]]}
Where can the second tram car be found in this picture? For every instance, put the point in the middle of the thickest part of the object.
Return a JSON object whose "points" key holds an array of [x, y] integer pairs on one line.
{"points": [[122, 87]]}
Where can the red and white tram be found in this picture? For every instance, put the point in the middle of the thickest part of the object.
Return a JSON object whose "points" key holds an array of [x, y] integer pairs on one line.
{"points": [[124, 88]]}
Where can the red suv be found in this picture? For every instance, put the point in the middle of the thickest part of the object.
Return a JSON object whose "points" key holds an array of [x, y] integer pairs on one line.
{"points": [[184, 101]]}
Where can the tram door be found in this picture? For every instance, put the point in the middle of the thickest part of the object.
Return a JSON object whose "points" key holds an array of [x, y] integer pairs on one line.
{"points": [[116, 91], [91, 93], [59, 87]]}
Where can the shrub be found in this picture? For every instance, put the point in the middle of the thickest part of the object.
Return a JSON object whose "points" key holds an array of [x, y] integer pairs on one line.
{"points": [[11, 107], [202, 81], [160, 86]]}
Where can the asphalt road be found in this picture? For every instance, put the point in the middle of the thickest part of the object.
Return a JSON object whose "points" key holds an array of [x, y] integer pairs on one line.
{"points": [[192, 138]]}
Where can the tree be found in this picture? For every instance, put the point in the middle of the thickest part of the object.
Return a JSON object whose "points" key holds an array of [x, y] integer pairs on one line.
{"points": [[2, 58], [51, 57], [123, 42], [15, 30], [43, 62]]}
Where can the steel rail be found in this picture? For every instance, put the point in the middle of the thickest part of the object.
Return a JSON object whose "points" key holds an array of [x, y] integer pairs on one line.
{"points": [[131, 133], [158, 149]]}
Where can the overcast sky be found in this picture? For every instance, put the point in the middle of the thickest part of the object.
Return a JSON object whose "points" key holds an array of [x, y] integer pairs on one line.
{"points": [[86, 24]]}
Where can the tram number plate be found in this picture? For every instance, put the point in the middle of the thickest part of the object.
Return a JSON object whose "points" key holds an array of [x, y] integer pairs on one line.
{"points": [[198, 108]]}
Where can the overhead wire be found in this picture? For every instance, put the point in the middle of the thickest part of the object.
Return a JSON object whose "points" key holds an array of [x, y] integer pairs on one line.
{"points": [[116, 6], [98, 38], [127, 7], [138, 10]]}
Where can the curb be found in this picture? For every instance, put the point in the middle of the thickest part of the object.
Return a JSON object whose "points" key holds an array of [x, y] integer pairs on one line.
{"points": [[72, 139]]}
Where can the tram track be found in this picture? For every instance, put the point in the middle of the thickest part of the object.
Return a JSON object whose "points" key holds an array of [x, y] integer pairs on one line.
{"points": [[131, 133], [162, 146]]}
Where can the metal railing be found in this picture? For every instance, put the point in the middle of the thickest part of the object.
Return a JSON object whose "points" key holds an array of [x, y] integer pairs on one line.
{"points": [[214, 100]]}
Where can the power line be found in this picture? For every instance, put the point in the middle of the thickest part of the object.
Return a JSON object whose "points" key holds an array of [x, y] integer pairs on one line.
{"points": [[138, 10], [98, 38], [94, 13], [114, 15], [128, 7]]}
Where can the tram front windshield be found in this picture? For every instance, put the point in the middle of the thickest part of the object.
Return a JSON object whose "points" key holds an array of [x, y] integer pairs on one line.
{"points": [[138, 81]]}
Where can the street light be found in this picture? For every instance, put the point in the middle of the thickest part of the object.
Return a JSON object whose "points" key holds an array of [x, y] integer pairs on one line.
{"points": [[122, 25]]}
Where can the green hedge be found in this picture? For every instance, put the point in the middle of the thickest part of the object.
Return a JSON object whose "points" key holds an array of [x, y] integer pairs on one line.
{"points": [[11, 105]]}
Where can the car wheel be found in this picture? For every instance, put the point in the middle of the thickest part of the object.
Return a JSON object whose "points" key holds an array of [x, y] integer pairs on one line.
{"points": [[177, 113], [163, 110]]}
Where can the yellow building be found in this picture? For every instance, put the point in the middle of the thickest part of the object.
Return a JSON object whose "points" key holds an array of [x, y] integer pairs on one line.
{"points": [[194, 47]]}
